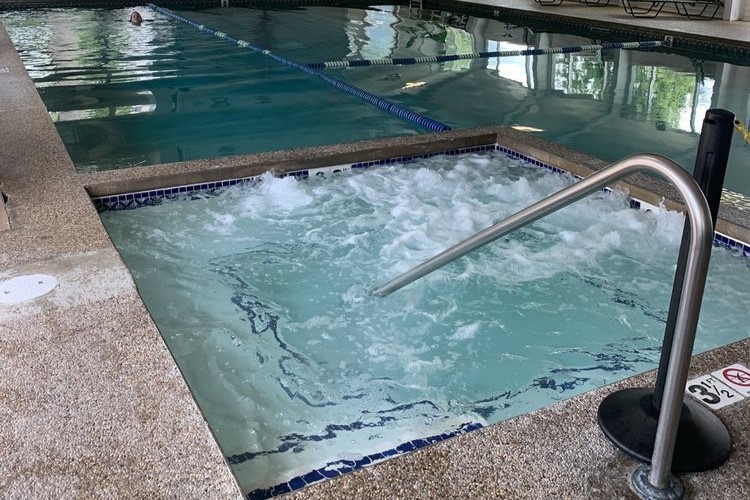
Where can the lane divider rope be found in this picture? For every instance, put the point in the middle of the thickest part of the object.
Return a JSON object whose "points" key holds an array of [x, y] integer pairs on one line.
{"points": [[390, 107], [356, 63]]}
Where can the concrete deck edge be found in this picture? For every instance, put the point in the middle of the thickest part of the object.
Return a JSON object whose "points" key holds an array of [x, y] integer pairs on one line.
{"points": [[91, 400], [732, 222], [93, 405]]}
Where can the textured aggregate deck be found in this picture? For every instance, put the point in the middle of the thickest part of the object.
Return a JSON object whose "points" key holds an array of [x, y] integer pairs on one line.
{"points": [[93, 406]]}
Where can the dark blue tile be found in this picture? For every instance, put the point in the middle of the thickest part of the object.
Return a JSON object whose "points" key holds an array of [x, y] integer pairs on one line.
{"points": [[280, 489], [313, 476], [329, 473], [419, 443], [261, 494], [405, 447], [296, 483]]}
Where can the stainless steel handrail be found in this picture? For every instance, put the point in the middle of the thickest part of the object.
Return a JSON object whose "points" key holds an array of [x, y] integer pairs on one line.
{"points": [[701, 238]]}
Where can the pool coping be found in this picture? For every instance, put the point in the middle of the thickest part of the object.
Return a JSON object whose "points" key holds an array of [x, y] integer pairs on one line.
{"points": [[95, 406], [733, 221]]}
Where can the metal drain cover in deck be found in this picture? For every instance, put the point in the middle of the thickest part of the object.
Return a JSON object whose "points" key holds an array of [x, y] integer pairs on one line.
{"points": [[22, 288]]}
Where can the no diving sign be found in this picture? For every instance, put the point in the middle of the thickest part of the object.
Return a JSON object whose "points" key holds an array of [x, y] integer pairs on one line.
{"points": [[736, 376], [722, 387]]}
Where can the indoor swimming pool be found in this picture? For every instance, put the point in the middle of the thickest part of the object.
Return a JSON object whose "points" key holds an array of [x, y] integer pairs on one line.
{"points": [[262, 293], [124, 95]]}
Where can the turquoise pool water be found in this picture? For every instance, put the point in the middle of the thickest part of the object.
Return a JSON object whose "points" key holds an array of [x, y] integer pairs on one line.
{"points": [[123, 95], [262, 295]]}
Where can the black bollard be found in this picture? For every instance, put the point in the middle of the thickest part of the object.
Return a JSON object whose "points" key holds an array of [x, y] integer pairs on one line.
{"points": [[710, 168], [629, 417]]}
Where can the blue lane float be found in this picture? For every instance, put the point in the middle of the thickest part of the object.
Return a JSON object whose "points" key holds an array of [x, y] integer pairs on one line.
{"points": [[358, 63], [387, 106]]}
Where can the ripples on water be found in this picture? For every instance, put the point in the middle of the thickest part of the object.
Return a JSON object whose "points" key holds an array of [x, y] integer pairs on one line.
{"points": [[125, 95], [262, 294]]}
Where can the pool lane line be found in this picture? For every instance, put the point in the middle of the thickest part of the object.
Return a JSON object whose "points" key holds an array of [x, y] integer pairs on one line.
{"points": [[390, 107], [357, 63]]}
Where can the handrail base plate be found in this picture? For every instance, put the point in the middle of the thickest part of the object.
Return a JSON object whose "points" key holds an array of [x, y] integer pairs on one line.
{"points": [[628, 418]]}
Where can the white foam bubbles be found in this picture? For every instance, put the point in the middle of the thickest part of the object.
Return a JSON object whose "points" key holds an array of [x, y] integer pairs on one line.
{"points": [[356, 294], [466, 332], [515, 191], [487, 317], [428, 179], [669, 225], [424, 366], [274, 195], [221, 222]]}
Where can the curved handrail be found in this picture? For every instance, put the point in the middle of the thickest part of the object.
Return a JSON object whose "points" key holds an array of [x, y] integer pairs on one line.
{"points": [[701, 239]]}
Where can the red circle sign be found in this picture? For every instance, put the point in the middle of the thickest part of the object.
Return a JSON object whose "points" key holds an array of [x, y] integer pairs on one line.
{"points": [[737, 376]]}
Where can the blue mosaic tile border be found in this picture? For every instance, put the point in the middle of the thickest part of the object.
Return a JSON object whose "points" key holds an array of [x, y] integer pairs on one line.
{"points": [[130, 201], [140, 199], [722, 240], [339, 467], [531, 160], [407, 159]]}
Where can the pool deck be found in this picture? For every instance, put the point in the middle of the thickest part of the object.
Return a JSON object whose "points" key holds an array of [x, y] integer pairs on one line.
{"points": [[93, 405], [667, 23]]}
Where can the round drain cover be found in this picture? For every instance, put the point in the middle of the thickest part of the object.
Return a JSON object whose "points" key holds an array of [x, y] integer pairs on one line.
{"points": [[27, 287]]}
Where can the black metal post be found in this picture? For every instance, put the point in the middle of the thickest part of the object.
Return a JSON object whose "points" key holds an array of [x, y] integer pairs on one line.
{"points": [[710, 168], [629, 417]]}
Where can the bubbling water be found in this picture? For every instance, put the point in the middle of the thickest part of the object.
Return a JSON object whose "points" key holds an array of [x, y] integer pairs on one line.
{"points": [[268, 311]]}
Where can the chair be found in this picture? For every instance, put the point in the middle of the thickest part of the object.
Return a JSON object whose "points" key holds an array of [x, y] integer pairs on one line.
{"points": [[590, 3], [651, 8], [692, 9]]}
